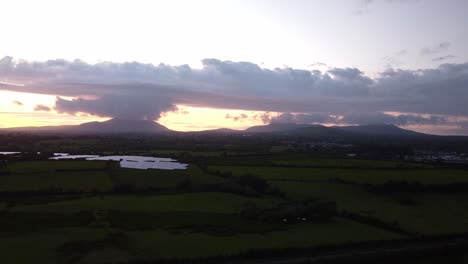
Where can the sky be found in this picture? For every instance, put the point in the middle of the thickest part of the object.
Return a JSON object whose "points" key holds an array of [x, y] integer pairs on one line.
{"points": [[195, 65]]}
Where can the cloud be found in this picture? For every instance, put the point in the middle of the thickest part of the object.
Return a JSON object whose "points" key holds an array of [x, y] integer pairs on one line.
{"points": [[394, 60], [16, 102], [364, 6], [236, 118], [444, 58], [264, 117], [360, 119], [313, 118], [144, 91], [441, 47], [318, 64], [181, 110], [401, 52], [124, 107], [399, 119], [42, 108]]}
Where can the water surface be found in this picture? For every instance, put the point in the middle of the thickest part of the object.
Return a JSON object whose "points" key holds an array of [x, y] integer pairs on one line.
{"points": [[132, 162]]}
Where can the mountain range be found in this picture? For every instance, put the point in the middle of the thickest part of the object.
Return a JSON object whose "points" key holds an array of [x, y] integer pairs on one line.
{"points": [[112, 126], [122, 126], [338, 131]]}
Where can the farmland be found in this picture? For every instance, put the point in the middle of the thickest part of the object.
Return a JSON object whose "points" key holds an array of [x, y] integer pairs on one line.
{"points": [[226, 203], [412, 211]]}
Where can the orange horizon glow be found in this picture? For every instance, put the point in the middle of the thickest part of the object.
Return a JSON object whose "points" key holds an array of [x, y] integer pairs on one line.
{"points": [[17, 110]]}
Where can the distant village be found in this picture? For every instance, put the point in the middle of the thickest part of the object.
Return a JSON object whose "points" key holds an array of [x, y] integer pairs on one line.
{"points": [[438, 157]]}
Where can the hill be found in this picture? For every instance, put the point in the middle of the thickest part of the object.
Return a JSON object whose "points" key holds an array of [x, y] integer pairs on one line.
{"points": [[112, 126], [379, 129], [278, 127], [337, 132], [122, 126]]}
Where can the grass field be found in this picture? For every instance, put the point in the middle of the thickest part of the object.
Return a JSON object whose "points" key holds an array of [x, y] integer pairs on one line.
{"points": [[166, 244], [163, 178], [175, 223], [428, 213], [50, 174], [41, 247], [94, 175], [373, 176], [54, 165], [191, 202], [307, 160], [66, 181], [297, 160]]}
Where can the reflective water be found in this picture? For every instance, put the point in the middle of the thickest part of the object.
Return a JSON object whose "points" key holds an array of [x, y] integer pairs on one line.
{"points": [[9, 153], [133, 162]]}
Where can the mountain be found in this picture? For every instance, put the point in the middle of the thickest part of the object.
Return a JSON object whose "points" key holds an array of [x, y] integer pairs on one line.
{"points": [[116, 125], [379, 129], [218, 131], [278, 127], [319, 131], [112, 126], [122, 126]]}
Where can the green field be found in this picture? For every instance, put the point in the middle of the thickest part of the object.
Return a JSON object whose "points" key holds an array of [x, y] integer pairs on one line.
{"points": [[301, 161], [94, 175], [67, 181], [192, 202], [55, 165], [166, 244], [162, 178], [198, 212], [373, 176], [428, 213], [42, 246], [50, 174]]}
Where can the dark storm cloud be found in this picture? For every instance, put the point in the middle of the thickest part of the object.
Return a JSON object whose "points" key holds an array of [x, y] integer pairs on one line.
{"points": [[42, 108], [443, 90], [145, 91]]}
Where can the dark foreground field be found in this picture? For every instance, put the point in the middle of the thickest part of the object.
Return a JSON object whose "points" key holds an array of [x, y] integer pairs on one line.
{"points": [[236, 206]]}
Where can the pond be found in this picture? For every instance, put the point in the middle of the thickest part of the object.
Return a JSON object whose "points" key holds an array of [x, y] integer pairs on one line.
{"points": [[132, 162]]}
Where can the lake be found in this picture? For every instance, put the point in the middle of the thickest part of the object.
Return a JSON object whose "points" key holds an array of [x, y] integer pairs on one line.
{"points": [[131, 162]]}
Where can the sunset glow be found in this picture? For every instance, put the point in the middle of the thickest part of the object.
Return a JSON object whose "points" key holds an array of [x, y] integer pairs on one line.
{"points": [[17, 110]]}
